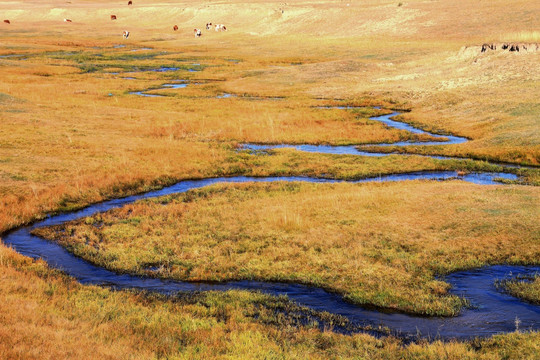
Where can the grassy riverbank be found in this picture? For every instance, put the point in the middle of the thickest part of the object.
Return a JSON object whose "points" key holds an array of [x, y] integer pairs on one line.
{"points": [[524, 288], [71, 135], [378, 244], [49, 316]]}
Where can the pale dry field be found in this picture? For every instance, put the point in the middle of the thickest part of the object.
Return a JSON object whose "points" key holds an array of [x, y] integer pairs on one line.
{"points": [[71, 134]]}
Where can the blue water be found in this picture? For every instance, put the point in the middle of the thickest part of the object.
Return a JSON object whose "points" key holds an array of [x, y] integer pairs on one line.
{"points": [[174, 85], [353, 149], [164, 69], [179, 84], [11, 56], [225, 96], [494, 312], [141, 93]]}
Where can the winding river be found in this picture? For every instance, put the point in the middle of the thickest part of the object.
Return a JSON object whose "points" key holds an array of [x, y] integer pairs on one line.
{"points": [[492, 311]]}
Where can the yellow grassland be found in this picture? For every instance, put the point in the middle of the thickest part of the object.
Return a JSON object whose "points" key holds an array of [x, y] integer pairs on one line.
{"points": [[48, 316], [71, 134], [380, 244]]}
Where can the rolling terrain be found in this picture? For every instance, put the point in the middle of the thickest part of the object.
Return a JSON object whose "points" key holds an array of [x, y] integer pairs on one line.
{"points": [[74, 132]]}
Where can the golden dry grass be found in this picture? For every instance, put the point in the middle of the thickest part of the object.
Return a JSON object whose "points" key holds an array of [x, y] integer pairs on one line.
{"points": [[48, 316], [64, 142], [380, 244], [49, 105]]}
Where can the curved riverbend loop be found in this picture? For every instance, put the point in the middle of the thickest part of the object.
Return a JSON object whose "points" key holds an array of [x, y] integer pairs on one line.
{"points": [[385, 119], [492, 312]]}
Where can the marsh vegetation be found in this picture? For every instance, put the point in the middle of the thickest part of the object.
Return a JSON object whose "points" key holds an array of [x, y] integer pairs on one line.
{"points": [[379, 244], [527, 288], [71, 134]]}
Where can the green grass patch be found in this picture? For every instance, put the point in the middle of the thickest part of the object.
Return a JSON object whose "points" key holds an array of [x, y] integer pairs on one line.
{"points": [[526, 288]]}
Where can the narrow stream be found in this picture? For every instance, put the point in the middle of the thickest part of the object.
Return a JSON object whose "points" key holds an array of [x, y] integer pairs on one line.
{"points": [[493, 311], [386, 119], [179, 84], [353, 149]]}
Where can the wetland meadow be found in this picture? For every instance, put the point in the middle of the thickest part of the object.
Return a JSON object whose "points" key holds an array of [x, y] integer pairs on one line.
{"points": [[318, 180]]}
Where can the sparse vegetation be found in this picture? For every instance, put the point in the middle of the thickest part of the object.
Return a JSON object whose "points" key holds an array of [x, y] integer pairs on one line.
{"points": [[523, 36]]}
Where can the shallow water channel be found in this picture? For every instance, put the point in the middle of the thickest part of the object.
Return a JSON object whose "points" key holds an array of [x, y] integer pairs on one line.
{"points": [[353, 149], [180, 84], [492, 311]]}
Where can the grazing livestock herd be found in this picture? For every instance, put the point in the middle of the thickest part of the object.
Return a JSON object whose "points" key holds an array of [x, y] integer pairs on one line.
{"points": [[217, 27], [125, 33]]}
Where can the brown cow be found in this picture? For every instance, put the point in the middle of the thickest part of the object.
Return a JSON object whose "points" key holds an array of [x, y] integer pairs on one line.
{"points": [[67, 20], [113, 17], [175, 27], [208, 26], [7, 21], [130, 2]]}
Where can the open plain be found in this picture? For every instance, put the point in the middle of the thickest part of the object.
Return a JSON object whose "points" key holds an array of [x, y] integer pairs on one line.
{"points": [[88, 116]]}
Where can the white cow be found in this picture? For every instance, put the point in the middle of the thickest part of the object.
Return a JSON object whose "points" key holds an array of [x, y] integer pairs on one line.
{"points": [[125, 34], [197, 32], [220, 27]]}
